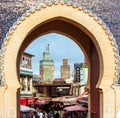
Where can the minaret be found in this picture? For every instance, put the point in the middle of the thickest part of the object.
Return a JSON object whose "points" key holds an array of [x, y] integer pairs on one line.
{"points": [[65, 69], [47, 66]]}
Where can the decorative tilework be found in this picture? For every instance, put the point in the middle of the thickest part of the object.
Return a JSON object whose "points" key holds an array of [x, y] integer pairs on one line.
{"points": [[11, 10], [107, 10]]}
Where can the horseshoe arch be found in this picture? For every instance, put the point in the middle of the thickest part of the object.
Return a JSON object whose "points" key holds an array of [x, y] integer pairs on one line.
{"points": [[86, 30]]}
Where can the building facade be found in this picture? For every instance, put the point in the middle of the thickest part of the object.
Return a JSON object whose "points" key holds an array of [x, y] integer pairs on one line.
{"points": [[57, 88], [83, 74], [80, 78], [65, 70], [83, 77], [26, 74], [76, 79], [77, 67], [47, 66]]}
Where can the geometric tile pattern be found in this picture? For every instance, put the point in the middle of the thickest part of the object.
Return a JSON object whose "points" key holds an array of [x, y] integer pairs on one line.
{"points": [[107, 10]]}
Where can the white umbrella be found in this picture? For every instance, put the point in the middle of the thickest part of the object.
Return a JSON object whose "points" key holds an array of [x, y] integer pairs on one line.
{"points": [[26, 108]]}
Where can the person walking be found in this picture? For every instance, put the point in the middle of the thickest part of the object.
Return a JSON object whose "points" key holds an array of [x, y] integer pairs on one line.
{"points": [[49, 115], [40, 114], [61, 113], [57, 115]]}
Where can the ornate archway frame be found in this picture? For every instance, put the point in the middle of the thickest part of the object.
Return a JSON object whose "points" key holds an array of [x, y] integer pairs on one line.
{"points": [[89, 23]]}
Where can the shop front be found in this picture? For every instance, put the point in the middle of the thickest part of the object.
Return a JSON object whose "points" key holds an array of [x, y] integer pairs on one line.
{"points": [[26, 101]]}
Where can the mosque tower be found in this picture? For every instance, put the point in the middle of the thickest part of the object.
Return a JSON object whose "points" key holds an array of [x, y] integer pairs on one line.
{"points": [[47, 66], [65, 69]]}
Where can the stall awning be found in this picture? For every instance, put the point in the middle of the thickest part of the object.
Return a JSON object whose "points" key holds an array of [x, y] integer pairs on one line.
{"points": [[40, 102], [30, 101], [23, 101], [24, 108], [85, 93], [75, 108], [26, 101]]}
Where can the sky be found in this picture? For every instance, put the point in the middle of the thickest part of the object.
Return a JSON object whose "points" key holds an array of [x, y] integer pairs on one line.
{"points": [[60, 47]]}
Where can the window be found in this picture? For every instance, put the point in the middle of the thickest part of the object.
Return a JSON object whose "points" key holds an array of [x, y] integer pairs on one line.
{"points": [[78, 71], [28, 83]]}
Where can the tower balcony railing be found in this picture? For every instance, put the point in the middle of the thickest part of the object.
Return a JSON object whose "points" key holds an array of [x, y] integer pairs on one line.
{"points": [[26, 66]]}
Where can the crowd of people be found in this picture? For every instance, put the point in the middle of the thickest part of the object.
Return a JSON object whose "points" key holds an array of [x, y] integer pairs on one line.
{"points": [[52, 114], [43, 114], [53, 110]]}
